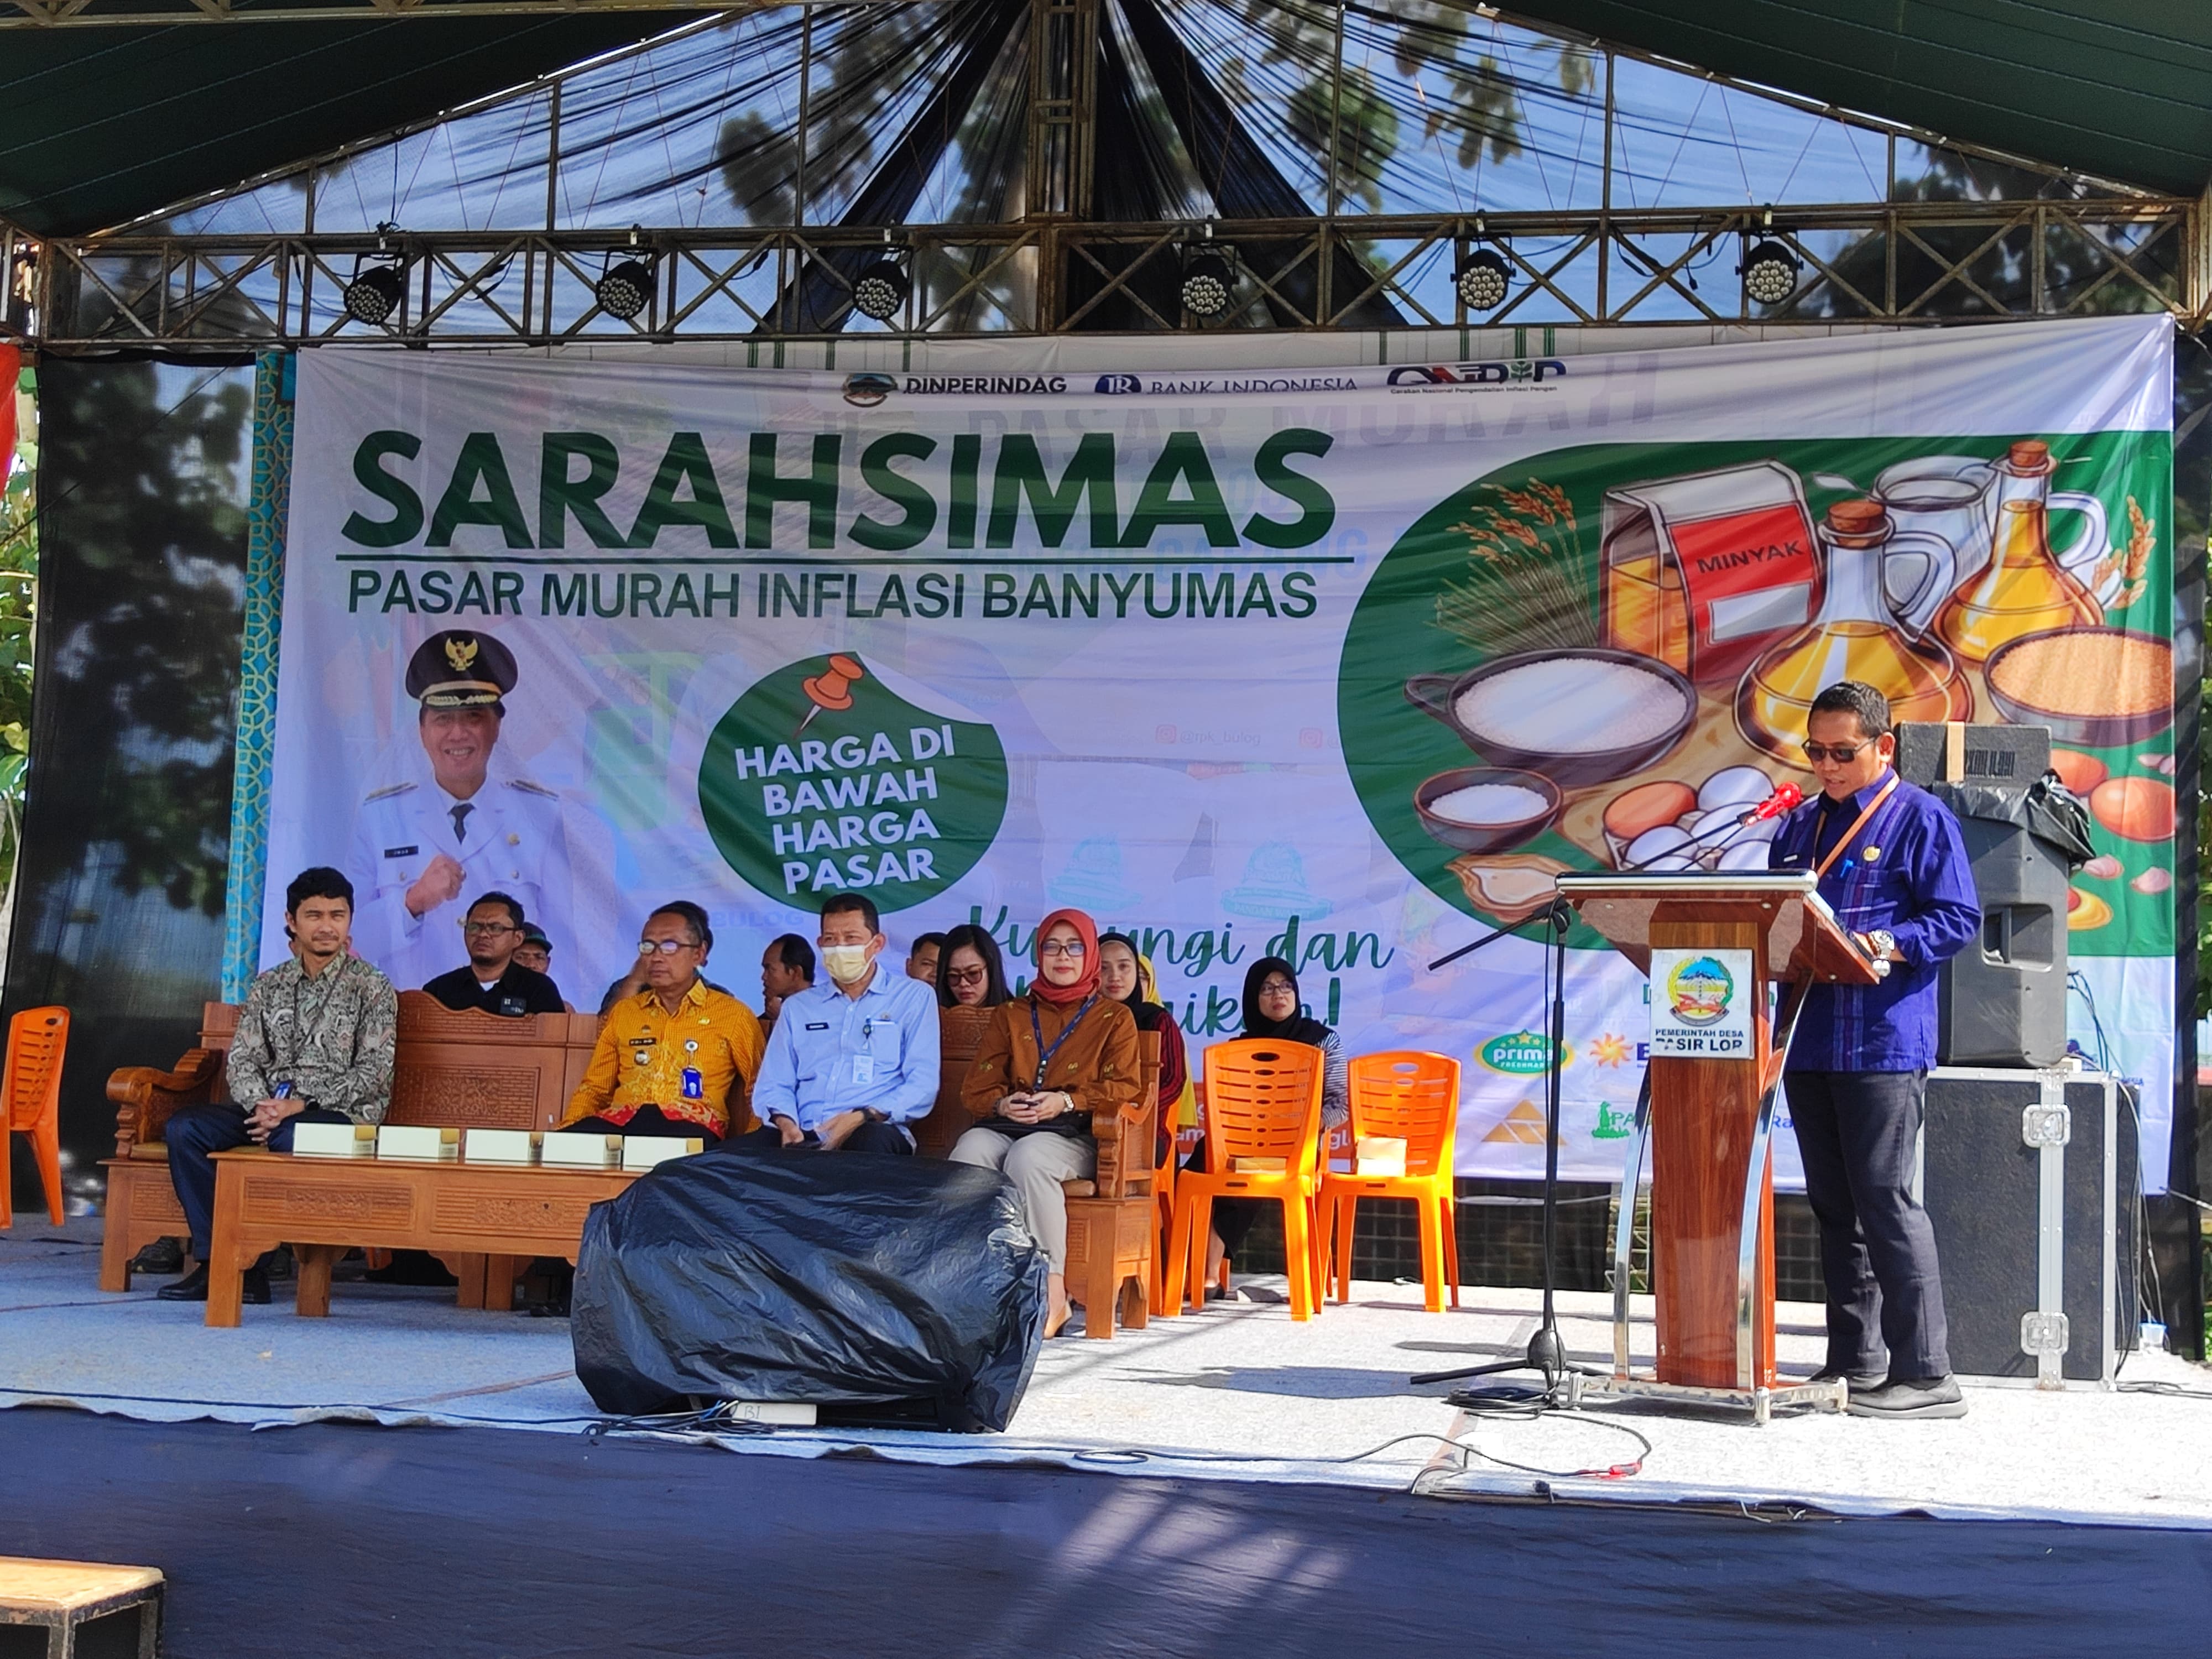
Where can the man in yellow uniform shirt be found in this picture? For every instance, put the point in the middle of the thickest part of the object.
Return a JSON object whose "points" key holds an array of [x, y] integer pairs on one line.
{"points": [[678, 1058]]}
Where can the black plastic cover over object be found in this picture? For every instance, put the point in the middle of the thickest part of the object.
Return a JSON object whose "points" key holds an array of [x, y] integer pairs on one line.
{"points": [[842, 1280]]}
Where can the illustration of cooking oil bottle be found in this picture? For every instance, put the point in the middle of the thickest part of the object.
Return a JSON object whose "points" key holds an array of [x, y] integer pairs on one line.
{"points": [[2022, 589], [1853, 638]]}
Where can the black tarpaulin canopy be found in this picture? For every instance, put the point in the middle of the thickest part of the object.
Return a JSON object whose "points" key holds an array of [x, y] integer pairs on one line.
{"points": [[100, 125]]}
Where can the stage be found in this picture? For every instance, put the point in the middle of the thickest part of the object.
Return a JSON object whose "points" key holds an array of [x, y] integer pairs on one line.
{"points": [[1223, 1482], [1236, 1392]]}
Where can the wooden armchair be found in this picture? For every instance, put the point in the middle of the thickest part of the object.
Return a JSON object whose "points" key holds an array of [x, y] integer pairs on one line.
{"points": [[1111, 1234], [142, 1206]]}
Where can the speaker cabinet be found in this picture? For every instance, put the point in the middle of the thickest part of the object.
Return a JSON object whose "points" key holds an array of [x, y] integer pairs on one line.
{"points": [[2030, 1181], [2001, 1002]]}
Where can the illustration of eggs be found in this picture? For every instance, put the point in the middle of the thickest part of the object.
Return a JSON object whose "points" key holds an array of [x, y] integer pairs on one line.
{"points": [[1712, 828], [2135, 809], [1745, 855], [1647, 806], [1656, 850], [2078, 772], [1734, 785]]}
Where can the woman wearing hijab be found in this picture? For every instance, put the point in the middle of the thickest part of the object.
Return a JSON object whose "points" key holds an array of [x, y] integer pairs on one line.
{"points": [[1048, 1061], [970, 973], [1127, 975], [1272, 1009]]}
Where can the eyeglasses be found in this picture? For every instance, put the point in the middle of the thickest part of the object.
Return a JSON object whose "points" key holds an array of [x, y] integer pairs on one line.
{"points": [[966, 975], [1071, 949], [667, 947], [489, 928], [1277, 987], [1838, 752]]}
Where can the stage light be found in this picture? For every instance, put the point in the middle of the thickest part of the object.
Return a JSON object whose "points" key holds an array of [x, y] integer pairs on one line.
{"points": [[1484, 279], [880, 291], [624, 289], [1769, 273], [374, 294], [1206, 281]]}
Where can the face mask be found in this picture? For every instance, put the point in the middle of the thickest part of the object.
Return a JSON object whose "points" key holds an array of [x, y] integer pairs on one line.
{"points": [[845, 963]]}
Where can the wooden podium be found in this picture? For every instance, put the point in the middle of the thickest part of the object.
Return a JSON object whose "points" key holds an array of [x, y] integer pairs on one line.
{"points": [[1706, 1117]]}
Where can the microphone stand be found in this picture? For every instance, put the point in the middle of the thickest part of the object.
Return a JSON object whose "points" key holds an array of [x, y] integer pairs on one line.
{"points": [[1547, 1354]]}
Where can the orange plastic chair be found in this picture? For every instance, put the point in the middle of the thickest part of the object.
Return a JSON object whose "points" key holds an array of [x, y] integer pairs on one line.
{"points": [[1413, 1098], [31, 1101], [1262, 1102]]}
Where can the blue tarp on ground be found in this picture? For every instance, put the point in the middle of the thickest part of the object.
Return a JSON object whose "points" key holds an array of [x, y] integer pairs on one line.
{"points": [[340, 1541]]}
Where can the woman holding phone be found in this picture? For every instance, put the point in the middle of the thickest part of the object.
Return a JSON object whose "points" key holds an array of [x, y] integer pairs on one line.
{"points": [[1048, 1060]]}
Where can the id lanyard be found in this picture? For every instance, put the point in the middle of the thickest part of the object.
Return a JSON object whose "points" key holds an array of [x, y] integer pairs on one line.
{"points": [[1857, 824], [1036, 1030]]}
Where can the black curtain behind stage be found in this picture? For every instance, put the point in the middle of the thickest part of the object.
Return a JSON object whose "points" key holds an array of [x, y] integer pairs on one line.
{"points": [[336, 1542], [144, 469]]}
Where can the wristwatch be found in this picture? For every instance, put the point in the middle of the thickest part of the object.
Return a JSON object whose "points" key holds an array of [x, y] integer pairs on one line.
{"points": [[1884, 944]]}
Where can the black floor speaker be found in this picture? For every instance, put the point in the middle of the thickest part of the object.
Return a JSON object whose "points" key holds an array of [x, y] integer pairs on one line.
{"points": [[2001, 1002], [2030, 1179]]}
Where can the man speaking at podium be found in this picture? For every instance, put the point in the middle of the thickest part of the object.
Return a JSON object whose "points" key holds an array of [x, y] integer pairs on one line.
{"points": [[1894, 868]]}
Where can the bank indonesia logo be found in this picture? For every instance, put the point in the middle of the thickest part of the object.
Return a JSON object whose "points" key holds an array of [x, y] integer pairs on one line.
{"points": [[1115, 386]]}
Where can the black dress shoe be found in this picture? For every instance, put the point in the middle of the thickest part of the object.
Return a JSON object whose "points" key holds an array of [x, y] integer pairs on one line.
{"points": [[253, 1288], [1861, 1381], [1908, 1397], [163, 1256], [192, 1287]]}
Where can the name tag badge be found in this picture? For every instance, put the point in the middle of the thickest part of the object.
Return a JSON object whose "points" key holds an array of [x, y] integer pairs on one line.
{"points": [[511, 1007], [818, 1024], [401, 852], [864, 1068], [693, 1087]]}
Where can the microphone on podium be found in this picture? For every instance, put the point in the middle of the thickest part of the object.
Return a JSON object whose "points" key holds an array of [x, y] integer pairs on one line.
{"points": [[1786, 796]]}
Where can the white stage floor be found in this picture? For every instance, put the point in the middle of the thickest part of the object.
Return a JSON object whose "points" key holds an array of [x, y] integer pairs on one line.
{"points": [[1239, 1391]]}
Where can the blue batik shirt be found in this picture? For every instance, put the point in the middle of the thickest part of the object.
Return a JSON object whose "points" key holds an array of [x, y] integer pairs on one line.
{"points": [[1905, 874]]}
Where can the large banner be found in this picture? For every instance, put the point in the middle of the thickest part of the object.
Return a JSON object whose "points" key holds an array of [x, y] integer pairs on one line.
{"points": [[1343, 665]]}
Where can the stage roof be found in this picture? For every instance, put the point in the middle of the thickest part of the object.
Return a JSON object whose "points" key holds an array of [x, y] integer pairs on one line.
{"points": [[100, 125]]}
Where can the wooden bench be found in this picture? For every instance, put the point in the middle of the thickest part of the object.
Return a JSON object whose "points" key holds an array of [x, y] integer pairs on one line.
{"points": [[959, 1034], [63, 1597], [469, 1070], [493, 1218]]}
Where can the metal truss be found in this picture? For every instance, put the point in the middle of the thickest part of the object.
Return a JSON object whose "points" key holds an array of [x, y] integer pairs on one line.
{"points": [[1901, 262]]}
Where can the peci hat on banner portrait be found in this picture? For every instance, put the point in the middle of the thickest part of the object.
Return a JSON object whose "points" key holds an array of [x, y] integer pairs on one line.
{"points": [[458, 668]]}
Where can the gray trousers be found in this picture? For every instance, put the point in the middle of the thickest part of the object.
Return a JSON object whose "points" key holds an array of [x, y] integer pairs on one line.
{"points": [[1858, 1132], [1037, 1164]]}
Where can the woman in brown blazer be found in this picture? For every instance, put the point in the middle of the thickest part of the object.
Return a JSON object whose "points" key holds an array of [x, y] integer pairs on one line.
{"points": [[1048, 1060]]}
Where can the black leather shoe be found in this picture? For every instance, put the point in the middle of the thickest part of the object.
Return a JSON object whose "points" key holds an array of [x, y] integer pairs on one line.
{"points": [[1908, 1397], [254, 1289], [1861, 1381], [192, 1287]]}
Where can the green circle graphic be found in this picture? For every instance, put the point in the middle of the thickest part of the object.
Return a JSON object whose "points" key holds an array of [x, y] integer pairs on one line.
{"points": [[804, 798]]}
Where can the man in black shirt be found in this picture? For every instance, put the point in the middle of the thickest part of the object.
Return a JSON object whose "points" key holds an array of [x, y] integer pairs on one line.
{"points": [[493, 981]]}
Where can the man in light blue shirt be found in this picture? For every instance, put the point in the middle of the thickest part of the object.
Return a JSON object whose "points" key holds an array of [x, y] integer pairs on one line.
{"points": [[852, 1063]]}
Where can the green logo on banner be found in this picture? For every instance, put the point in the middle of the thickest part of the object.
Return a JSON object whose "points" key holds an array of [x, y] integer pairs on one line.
{"points": [[821, 779], [1519, 1054]]}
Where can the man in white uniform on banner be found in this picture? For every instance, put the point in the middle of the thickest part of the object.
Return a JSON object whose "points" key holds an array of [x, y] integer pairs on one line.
{"points": [[425, 847]]}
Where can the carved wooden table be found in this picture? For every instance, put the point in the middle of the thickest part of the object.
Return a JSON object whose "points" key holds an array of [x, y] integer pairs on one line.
{"points": [[484, 1220]]}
